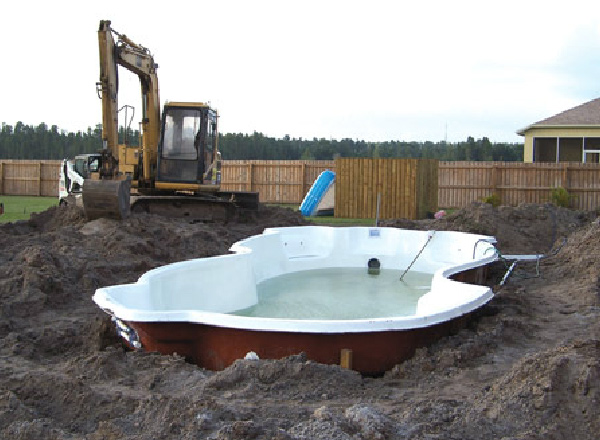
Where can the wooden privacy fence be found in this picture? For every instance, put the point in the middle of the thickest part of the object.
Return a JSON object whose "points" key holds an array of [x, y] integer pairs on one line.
{"points": [[461, 183], [277, 181], [406, 188], [29, 177], [458, 183]]}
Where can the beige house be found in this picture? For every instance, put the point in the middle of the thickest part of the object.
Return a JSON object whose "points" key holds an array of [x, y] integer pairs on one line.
{"points": [[570, 136]]}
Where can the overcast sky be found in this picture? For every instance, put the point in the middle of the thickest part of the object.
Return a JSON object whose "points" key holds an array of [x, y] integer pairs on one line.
{"points": [[371, 70]]}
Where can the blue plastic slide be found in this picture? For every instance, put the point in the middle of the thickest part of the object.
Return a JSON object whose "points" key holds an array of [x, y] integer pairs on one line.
{"points": [[316, 192]]}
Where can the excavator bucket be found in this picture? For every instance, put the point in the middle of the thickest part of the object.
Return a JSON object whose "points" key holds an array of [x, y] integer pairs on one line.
{"points": [[106, 199]]}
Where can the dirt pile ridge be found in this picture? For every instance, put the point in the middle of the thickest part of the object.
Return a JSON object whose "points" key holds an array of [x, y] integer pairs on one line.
{"points": [[527, 366], [525, 229]]}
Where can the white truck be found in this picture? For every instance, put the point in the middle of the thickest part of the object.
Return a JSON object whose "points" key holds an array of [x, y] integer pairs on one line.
{"points": [[72, 174]]}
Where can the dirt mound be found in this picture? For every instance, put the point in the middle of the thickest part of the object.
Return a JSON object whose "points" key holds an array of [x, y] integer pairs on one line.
{"points": [[526, 366], [57, 217], [556, 390], [526, 229]]}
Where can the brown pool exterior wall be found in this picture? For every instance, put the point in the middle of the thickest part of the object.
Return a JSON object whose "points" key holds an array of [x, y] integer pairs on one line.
{"points": [[215, 348]]}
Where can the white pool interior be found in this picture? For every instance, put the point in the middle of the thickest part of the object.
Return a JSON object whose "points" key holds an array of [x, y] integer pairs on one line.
{"points": [[339, 293], [212, 290]]}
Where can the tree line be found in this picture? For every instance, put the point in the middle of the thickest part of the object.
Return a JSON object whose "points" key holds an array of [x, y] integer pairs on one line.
{"points": [[23, 141], [259, 146]]}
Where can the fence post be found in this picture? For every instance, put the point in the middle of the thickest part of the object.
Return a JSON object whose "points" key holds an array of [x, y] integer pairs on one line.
{"points": [[495, 180], [39, 179], [303, 171], [251, 177], [565, 176], [1, 177]]}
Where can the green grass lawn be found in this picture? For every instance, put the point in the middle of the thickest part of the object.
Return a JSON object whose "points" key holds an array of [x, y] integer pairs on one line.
{"points": [[21, 207], [332, 221], [329, 220]]}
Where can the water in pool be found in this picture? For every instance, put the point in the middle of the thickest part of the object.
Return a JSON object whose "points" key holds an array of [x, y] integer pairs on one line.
{"points": [[339, 293]]}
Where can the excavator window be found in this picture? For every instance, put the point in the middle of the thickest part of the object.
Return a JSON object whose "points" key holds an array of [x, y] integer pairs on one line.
{"points": [[183, 144], [211, 135], [180, 131]]}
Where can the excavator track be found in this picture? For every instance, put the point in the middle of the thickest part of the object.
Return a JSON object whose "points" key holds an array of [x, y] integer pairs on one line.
{"points": [[220, 207], [112, 199]]}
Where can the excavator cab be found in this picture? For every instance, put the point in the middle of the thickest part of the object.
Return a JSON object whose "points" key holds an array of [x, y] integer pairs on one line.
{"points": [[187, 150]]}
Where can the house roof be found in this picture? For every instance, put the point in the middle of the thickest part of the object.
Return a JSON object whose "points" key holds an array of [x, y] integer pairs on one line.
{"points": [[585, 114]]}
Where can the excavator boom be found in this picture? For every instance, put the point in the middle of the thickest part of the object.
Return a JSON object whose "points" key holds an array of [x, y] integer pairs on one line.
{"points": [[137, 59]]}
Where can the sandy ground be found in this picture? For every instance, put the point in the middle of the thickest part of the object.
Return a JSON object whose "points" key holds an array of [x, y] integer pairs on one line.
{"points": [[526, 367]]}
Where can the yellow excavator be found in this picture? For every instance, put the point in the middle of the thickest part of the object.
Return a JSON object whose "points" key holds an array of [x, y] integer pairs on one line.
{"points": [[176, 170]]}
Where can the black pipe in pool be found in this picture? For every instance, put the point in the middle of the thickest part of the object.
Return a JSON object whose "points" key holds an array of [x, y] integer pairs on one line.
{"points": [[374, 266]]}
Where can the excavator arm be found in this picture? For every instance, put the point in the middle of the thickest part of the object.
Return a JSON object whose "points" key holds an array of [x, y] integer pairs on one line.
{"points": [[139, 60], [109, 194]]}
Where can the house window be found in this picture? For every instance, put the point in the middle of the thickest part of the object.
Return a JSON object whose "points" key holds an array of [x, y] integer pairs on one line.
{"points": [[591, 150], [544, 149], [570, 149], [563, 149]]}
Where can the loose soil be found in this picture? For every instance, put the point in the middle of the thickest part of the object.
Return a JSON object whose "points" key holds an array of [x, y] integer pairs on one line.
{"points": [[527, 366]]}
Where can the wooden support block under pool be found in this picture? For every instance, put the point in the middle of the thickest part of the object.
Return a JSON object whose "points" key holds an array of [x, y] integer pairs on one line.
{"points": [[346, 358]]}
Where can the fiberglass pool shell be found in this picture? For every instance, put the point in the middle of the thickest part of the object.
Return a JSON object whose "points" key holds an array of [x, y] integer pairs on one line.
{"points": [[186, 307]]}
